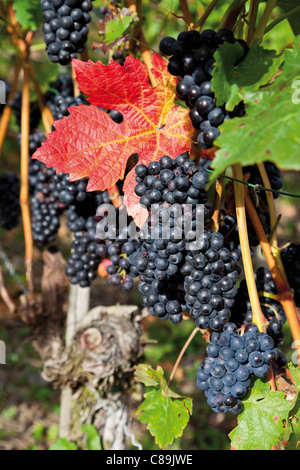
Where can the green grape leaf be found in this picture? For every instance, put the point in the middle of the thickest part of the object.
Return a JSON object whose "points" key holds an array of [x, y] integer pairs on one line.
{"points": [[295, 373], [114, 28], [63, 444], [270, 130], [148, 376], [117, 27], [232, 80], [294, 435], [93, 441], [260, 425], [165, 412], [287, 6], [291, 433], [28, 14]]}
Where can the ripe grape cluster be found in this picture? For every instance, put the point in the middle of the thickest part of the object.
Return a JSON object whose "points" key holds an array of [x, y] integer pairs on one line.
{"points": [[203, 278], [232, 360], [9, 200], [210, 280], [85, 254], [168, 189], [45, 207], [192, 58], [122, 271], [65, 28]]}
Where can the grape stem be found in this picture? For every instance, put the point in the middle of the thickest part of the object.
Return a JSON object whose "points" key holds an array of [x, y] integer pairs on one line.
{"points": [[136, 7], [206, 14], [189, 340], [46, 114], [24, 191], [186, 13], [252, 17], [85, 54], [231, 15], [75, 84], [271, 379], [217, 205], [257, 315], [260, 30], [23, 44], [169, 12]]}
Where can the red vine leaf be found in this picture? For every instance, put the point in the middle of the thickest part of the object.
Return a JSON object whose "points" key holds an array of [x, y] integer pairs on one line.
{"points": [[90, 144]]}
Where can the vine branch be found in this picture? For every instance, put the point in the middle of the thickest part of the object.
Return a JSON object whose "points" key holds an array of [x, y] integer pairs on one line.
{"points": [[145, 50], [186, 13], [252, 17], [260, 30], [188, 342], [206, 14], [24, 192], [257, 314]]}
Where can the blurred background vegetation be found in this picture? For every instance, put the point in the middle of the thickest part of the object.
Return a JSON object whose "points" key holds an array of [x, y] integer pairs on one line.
{"points": [[29, 407]]}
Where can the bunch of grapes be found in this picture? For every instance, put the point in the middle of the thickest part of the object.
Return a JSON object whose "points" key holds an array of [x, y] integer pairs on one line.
{"points": [[192, 59], [65, 28], [232, 360], [210, 280], [9, 200], [168, 189], [122, 270], [119, 242], [86, 254], [45, 207]]}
